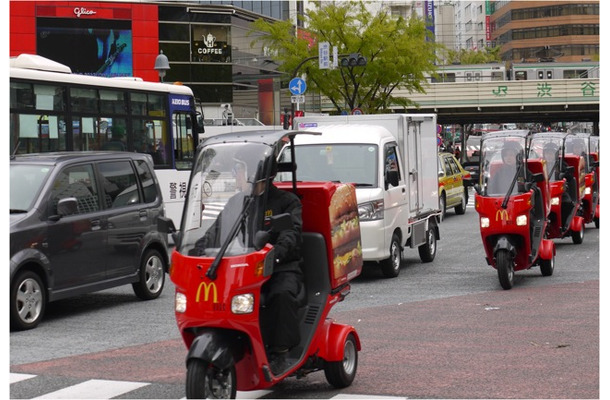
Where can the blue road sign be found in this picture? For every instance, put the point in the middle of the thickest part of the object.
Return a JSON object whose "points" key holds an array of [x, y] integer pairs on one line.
{"points": [[297, 86]]}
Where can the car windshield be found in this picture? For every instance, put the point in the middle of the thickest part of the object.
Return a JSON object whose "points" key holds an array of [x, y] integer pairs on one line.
{"points": [[26, 181], [501, 159], [221, 187], [345, 163]]}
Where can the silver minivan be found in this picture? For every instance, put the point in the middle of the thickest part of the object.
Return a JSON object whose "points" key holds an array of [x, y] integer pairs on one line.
{"points": [[81, 222]]}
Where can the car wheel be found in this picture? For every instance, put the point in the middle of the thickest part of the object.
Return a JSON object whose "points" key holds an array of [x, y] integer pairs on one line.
{"points": [[390, 267], [442, 205], [460, 209], [341, 374], [427, 251], [28, 301], [152, 276], [204, 380], [506, 269]]}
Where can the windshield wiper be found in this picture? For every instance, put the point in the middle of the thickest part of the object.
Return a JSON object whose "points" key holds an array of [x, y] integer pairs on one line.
{"points": [[17, 211], [363, 184]]}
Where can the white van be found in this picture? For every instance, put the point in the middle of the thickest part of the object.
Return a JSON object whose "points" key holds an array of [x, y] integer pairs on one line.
{"points": [[391, 159]]}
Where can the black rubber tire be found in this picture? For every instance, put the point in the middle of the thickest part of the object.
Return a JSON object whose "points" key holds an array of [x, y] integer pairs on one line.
{"points": [[202, 381], [578, 236], [460, 209], [505, 266], [28, 301], [341, 374], [152, 276], [427, 251], [442, 205], [390, 267], [547, 266]]}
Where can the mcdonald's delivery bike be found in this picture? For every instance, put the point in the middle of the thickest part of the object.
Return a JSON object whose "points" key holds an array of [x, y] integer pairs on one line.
{"points": [[218, 304], [567, 181], [513, 202], [589, 207]]}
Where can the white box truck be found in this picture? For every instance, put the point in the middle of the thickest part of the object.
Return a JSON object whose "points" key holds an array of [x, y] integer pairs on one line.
{"points": [[392, 161]]}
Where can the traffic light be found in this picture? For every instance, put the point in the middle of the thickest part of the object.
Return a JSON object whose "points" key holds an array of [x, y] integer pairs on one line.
{"points": [[353, 60]]}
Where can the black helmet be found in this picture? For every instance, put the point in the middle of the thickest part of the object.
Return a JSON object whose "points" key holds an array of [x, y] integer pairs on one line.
{"points": [[511, 146], [550, 147]]}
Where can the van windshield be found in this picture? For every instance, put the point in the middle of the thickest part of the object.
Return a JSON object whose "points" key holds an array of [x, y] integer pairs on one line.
{"points": [[26, 181], [345, 163]]}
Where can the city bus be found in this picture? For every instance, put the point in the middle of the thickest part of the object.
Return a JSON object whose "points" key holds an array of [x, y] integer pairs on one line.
{"points": [[53, 109]]}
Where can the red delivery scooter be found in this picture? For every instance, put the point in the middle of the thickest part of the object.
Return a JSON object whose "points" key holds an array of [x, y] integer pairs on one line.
{"points": [[513, 202], [218, 304]]}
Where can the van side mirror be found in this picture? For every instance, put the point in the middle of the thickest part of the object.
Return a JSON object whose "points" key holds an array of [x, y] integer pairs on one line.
{"points": [[391, 178], [67, 206]]}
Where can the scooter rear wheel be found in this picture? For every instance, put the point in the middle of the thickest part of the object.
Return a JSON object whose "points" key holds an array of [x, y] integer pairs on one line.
{"points": [[204, 380], [505, 267], [341, 374]]}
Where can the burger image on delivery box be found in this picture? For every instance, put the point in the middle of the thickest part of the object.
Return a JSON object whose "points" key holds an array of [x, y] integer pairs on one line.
{"points": [[345, 233]]}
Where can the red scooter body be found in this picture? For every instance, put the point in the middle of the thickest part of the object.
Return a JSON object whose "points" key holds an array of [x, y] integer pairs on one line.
{"points": [[513, 224], [218, 289]]}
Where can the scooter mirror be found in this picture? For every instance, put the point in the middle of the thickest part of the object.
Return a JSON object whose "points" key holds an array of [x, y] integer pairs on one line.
{"points": [[261, 238]]}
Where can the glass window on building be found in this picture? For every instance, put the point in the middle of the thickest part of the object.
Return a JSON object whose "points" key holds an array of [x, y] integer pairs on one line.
{"points": [[211, 43]]}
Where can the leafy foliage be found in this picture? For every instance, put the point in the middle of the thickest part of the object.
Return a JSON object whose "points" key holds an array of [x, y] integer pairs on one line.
{"points": [[400, 53]]}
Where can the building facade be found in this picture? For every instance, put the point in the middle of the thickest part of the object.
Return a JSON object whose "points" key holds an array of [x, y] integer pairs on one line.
{"points": [[546, 30], [208, 45]]}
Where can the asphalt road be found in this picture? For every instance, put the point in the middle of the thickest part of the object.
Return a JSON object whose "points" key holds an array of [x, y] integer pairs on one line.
{"points": [[439, 330]]}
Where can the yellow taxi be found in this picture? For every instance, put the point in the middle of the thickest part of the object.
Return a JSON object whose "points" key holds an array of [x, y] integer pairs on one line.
{"points": [[453, 182]]}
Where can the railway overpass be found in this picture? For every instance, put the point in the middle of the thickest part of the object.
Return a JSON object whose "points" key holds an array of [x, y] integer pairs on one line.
{"points": [[546, 101]]}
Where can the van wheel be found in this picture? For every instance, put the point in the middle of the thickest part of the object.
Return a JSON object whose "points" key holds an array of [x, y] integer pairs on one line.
{"points": [[152, 276], [427, 251], [28, 301], [341, 374], [460, 209], [390, 267]]}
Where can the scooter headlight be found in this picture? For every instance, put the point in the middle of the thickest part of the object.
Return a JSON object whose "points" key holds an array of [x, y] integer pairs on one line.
{"points": [[588, 190], [180, 302], [484, 222], [242, 303], [522, 220], [555, 201]]}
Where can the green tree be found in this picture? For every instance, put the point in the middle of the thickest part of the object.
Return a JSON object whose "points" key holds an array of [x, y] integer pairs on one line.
{"points": [[468, 57], [400, 53]]}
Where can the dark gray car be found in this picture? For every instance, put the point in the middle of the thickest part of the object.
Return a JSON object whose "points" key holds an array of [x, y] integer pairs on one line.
{"points": [[82, 222]]}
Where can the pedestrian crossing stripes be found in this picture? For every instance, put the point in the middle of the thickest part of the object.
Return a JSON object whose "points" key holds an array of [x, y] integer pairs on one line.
{"points": [[108, 389]]}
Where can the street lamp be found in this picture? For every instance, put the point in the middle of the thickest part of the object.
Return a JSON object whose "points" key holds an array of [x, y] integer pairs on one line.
{"points": [[161, 65]]}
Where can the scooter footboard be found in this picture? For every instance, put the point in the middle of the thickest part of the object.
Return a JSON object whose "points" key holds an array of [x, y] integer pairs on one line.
{"points": [[336, 335]]}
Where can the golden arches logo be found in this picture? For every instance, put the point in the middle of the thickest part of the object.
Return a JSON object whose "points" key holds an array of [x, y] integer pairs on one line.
{"points": [[502, 214], [207, 287]]}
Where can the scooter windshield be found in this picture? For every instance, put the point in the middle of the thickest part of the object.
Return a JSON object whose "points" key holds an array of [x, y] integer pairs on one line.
{"points": [[549, 148], [502, 159], [222, 203]]}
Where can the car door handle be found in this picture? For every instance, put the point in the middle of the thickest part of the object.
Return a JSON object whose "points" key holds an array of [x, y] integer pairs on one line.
{"points": [[143, 214]]}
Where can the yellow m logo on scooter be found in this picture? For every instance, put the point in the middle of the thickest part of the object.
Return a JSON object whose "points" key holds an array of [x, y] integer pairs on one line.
{"points": [[207, 287], [502, 215]]}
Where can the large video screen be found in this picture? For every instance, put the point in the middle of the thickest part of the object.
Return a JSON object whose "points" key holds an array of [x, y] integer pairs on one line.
{"points": [[89, 47]]}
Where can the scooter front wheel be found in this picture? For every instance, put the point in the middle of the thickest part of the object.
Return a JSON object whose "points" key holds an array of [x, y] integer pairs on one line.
{"points": [[204, 380], [506, 269], [341, 374]]}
